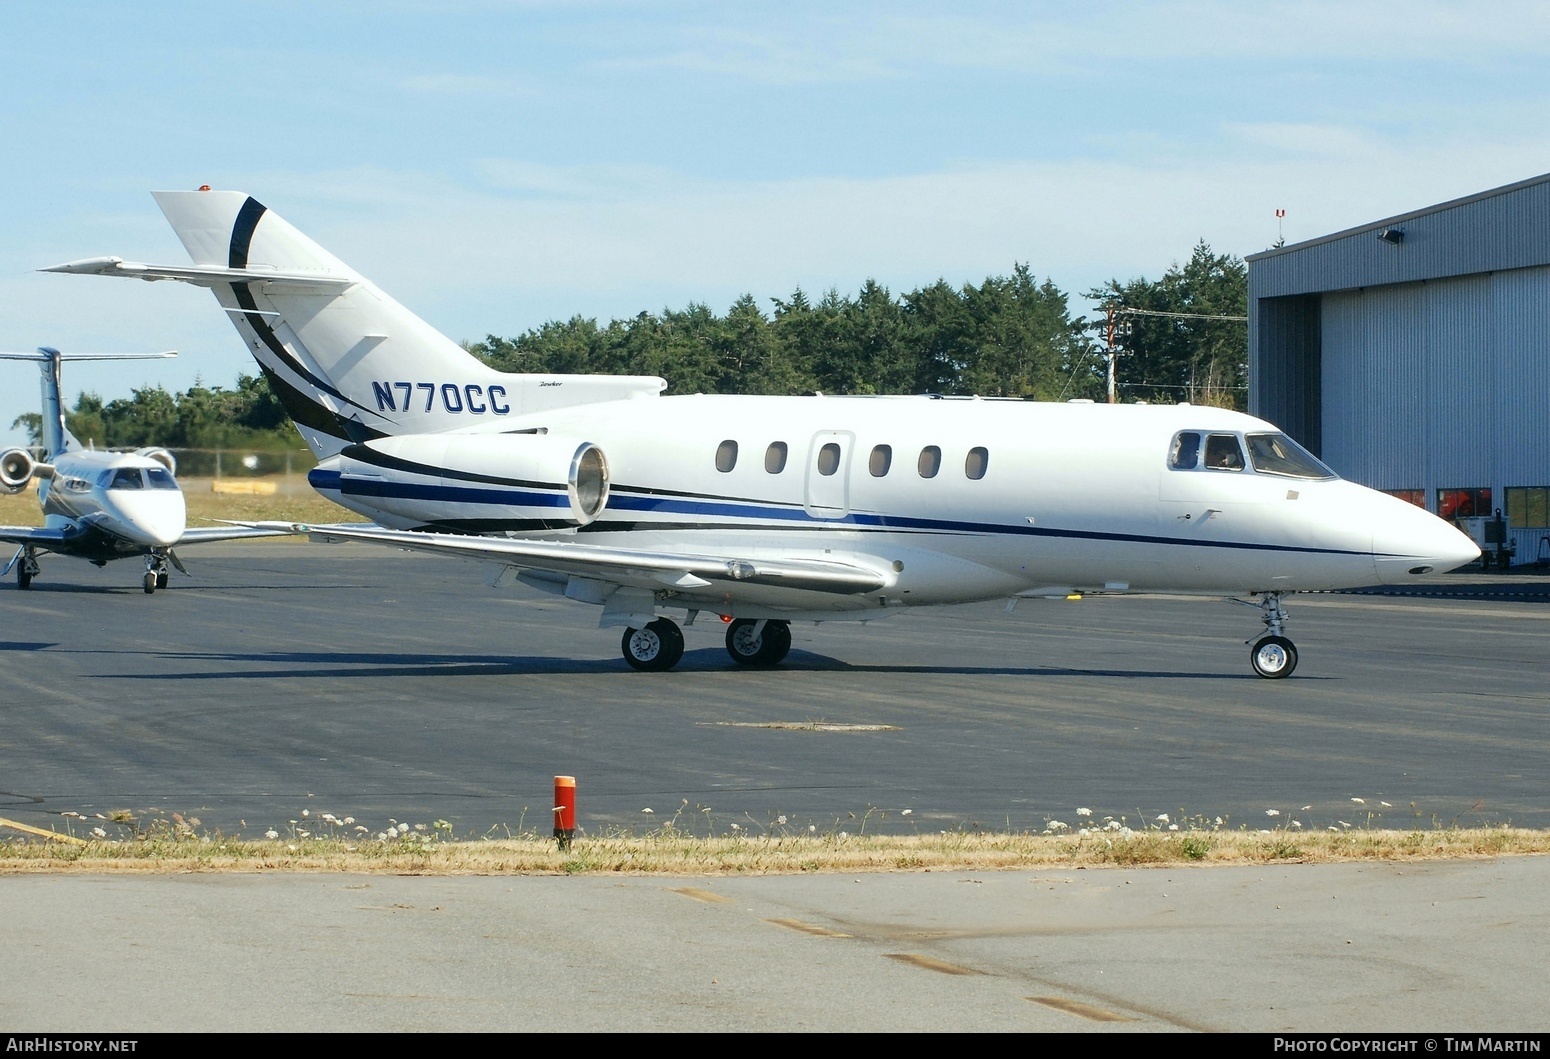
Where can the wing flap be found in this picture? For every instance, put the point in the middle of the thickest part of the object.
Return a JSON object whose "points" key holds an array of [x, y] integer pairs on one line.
{"points": [[620, 565]]}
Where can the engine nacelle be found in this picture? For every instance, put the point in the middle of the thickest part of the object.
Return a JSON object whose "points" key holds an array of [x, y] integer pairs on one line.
{"points": [[17, 468], [481, 480], [161, 456]]}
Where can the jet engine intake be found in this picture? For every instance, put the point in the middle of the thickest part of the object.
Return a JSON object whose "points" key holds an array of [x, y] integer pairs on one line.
{"points": [[17, 468], [539, 477], [161, 456]]}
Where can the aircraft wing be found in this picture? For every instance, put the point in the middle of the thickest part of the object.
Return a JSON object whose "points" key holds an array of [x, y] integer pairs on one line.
{"points": [[623, 566], [210, 534], [37, 536]]}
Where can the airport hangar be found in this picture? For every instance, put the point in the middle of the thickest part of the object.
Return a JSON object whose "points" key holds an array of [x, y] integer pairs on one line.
{"points": [[1412, 354]]}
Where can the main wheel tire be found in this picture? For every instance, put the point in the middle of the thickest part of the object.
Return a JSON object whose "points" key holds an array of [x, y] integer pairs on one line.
{"points": [[150, 581], [161, 579], [23, 578], [655, 648], [1273, 657], [764, 648]]}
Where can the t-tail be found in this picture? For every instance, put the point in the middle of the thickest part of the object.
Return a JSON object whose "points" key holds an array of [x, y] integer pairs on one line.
{"points": [[348, 362]]}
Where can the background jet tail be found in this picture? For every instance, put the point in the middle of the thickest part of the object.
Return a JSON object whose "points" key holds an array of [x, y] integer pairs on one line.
{"points": [[54, 435], [348, 362]]}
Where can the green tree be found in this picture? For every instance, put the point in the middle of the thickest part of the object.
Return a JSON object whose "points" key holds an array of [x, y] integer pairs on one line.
{"points": [[1184, 336]]}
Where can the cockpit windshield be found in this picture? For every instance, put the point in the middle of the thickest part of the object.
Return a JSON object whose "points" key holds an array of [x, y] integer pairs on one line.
{"points": [[123, 478], [1279, 454], [160, 478]]}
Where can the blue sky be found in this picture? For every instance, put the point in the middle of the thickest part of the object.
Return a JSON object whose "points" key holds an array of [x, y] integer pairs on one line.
{"points": [[495, 165]]}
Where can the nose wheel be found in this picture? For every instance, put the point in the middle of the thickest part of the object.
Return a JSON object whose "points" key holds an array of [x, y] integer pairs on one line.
{"points": [[1272, 656], [26, 562], [155, 572]]}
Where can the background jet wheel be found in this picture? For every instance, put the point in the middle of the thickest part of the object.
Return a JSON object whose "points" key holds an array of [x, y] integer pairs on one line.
{"points": [[655, 648], [764, 648], [150, 582], [1273, 657], [23, 578], [161, 580]]}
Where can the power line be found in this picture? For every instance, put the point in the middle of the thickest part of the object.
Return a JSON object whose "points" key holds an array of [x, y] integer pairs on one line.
{"points": [[1185, 316]]}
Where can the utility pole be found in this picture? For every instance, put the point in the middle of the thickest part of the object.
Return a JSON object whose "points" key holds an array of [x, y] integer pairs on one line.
{"points": [[1111, 330]]}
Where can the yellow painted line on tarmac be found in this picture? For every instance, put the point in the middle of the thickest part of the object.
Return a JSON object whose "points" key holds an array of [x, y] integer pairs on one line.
{"points": [[808, 928], [1076, 1007], [55, 835], [930, 963]]}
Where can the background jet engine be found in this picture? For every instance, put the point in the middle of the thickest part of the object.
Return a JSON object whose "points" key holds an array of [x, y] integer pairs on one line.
{"points": [[478, 482], [161, 456], [17, 468]]}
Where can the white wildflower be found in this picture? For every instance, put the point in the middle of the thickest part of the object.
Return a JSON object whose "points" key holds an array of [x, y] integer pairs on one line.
{"points": [[291, 848], [1084, 812], [271, 834], [1360, 801], [1055, 825], [811, 828], [330, 818], [844, 834], [1219, 821], [1297, 823], [781, 819], [305, 834], [419, 827], [1306, 808], [736, 827], [99, 832], [907, 812], [1162, 818], [306, 812], [1173, 827], [381, 836], [648, 810], [1342, 823], [360, 827], [1386, 805], [1272, 812], [349, 819]]}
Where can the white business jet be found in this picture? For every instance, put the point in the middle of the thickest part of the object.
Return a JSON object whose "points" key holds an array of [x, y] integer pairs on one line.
{"points": [[99, 505], [769, 510]]}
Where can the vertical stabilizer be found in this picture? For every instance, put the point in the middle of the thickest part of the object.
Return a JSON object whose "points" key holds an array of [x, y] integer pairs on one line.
{"points": [[348, 362]]}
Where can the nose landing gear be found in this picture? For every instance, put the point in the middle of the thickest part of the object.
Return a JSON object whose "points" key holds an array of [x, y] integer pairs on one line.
{"points": [[155, 572], [26, 563], [1272, 656]]}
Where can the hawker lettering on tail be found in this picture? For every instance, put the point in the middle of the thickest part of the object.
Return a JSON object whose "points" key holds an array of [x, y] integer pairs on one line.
{"points": [[769, 510]]}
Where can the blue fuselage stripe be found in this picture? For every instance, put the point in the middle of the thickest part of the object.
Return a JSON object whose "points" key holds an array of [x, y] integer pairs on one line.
{"points": [[621, 501]]}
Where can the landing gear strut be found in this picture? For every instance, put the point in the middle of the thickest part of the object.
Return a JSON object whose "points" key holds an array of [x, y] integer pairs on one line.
{"points": [[1273, 656], [655, 648], [155, 572], [26, 561], [758, 643]]}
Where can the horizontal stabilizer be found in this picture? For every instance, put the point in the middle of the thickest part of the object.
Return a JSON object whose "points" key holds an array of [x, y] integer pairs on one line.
{"points": [[204, 275]]}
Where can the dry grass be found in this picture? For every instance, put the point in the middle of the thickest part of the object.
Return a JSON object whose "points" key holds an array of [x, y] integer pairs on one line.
{"points": [[668, 852]]}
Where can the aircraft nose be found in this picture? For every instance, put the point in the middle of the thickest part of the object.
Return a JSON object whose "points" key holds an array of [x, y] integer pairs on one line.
{"points": [[156, 520], [1412, 544]]}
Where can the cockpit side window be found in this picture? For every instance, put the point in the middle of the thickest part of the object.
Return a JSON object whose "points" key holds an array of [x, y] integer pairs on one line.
{"points": [[1186, 451], [160, 478], [1223, 453], [126, 478], [1279, 454]]}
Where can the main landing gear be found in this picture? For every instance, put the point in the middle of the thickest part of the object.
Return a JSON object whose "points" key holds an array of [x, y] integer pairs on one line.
{"points": [[155, 572], [1273, 656], [26, 567], [750, 642]]}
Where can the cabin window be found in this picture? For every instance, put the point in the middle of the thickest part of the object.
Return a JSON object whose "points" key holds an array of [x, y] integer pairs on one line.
{"points": [[1186, 451], [775, 457], [930, 461], [1279, 454], [1223, 453], [726, 456], [160, 478], [882, 459], [126, 478], [977, 463], [829, 459]]}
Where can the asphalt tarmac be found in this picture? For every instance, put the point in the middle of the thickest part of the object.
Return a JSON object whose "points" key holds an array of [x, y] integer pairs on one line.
{"points": [[286, 679]]}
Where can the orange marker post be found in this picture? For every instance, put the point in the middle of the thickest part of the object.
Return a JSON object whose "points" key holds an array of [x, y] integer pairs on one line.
{"points": [[564, 810]]}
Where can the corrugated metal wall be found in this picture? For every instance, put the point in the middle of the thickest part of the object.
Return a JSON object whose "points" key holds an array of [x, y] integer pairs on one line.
{"points": [[1438, 385]]}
